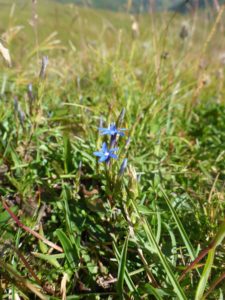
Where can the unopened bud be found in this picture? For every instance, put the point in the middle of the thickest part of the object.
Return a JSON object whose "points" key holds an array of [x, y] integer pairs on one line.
{"points": [[123, 167], [44, 65], [121, 117]]}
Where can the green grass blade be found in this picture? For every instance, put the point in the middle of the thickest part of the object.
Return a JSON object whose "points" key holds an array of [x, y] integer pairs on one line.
{"points": [[153, 291], [180, 226], [70, 251], [205, 275], [209, 262], [68, 158], [220, 235], [177, 288], [152, 241], [122, 268], [127, 277]]}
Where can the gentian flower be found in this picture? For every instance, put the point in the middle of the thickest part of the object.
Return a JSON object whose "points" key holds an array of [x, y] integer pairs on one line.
{"points": [[105, 154], [112, 130]]}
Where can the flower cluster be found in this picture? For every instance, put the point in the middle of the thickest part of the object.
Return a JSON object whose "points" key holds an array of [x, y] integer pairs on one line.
{"points": [[107, 153]]}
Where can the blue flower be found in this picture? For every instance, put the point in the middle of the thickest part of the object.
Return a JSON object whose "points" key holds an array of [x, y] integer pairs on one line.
{"points": [[112, 130], [105, 154]]}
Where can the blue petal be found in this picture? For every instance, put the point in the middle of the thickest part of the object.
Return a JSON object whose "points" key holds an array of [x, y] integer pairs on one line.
{"points": [[98, 153], [104, 147], [121, 133], [105, 131], [110, 131], [103, 158]]}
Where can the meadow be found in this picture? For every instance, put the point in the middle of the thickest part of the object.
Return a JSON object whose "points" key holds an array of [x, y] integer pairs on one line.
{"points": [[148, 222]]}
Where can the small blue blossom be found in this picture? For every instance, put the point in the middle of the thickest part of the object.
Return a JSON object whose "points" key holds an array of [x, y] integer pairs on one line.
{"points": [[105, 154], [112, 130]]}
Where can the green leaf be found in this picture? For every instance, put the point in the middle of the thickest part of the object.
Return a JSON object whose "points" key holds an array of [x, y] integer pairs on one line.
{"points": [[43, 247], [70, 251], [4, 216], [145, 210], [51, 259]]}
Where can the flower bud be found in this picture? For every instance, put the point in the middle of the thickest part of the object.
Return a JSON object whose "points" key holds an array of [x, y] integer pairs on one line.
{"points": [[44, 65], [123, 167]]}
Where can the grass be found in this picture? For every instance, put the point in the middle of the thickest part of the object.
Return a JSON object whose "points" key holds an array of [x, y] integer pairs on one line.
{"points": [[73, 228]]}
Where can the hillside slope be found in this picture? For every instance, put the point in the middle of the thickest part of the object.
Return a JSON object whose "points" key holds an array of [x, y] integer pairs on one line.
{"points": [[143, 5], [121, 5], [186, 6]]}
